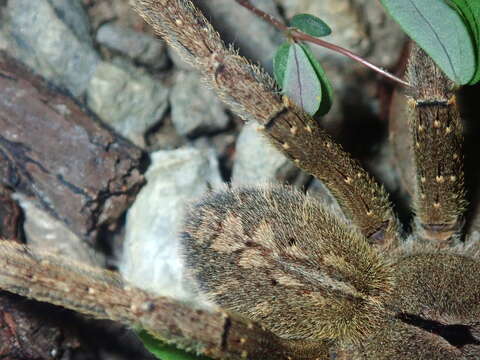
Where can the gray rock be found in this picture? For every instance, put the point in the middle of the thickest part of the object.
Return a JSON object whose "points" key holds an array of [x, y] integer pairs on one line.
{"points": [[219, 143], [256, 39], [207, 147], [140, 47], [385, 34], [257, 161], [195, 108], [178, 60], [52, 37], [45, 232], [164, 137], [4, 41], [127, 99], [151, 250], [74, 16]]}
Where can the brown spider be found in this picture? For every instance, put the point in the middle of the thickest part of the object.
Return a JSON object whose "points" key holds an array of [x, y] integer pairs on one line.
{"points": [[302, 282]]}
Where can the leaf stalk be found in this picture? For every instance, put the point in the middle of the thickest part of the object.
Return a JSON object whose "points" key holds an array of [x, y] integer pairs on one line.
{"points": [[298, 35]]}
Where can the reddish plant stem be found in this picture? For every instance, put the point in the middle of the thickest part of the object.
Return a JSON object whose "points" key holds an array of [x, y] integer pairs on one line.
{"points": [[298, 35]]}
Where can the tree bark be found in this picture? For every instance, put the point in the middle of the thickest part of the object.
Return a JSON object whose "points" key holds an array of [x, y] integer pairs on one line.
{"points": [[55, 150]]}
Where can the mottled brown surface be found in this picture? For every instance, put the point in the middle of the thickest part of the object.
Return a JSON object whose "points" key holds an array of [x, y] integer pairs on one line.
{"points": [[10, 215], [51, 148]]}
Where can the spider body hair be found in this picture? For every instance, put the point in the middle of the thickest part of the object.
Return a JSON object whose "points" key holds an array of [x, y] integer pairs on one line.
{"points": [[284, 259]]}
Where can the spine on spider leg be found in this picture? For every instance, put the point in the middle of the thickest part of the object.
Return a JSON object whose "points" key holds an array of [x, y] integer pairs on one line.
{"points": [[104, 295], [252, 94], [436, 129]]}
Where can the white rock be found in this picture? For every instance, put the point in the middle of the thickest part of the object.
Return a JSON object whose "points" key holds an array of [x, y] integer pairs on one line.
{"points": [[256, 160], [151, 258], [49, 234]]}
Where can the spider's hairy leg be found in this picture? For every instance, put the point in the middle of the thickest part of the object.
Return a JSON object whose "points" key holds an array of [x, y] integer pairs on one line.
{"points": [[262, 252], [252, 94], [400, 341], [104, 295], [436, 301], [435, 125]]}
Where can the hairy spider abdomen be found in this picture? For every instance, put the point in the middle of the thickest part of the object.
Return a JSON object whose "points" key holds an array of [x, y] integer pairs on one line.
{"points": [[282, 258]]}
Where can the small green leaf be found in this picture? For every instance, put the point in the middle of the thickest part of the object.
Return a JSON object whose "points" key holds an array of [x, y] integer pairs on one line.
{"points": [[327, 89], [440, 31], [280, 62], [310, 25], [163, 351], [301, 82], [470, 12]]}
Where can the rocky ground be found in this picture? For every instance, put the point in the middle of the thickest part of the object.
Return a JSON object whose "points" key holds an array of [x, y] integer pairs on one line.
{"points": [[103, 54]]}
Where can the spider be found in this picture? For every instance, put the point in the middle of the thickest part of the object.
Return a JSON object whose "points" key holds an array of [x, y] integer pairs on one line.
{"points": [[292, 278]]}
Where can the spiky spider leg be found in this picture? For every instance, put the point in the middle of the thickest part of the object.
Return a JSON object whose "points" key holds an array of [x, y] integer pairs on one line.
{"points": [[436, 129], [252, 94], [104, 295]]}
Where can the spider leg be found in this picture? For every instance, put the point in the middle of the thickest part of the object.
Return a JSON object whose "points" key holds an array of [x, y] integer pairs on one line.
{"points": [[252, 94], [436, 130], [104, 295], [400, 341]]}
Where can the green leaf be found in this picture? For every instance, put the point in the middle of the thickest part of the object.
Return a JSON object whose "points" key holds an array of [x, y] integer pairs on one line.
{"points": [[301, 82], [280, 62], [470, 12], [327, 89], [163, 351], [440, 31], [310, 25]]}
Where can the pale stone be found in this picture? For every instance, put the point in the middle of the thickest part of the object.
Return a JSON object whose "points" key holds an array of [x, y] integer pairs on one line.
{"points": [[151, 257]]}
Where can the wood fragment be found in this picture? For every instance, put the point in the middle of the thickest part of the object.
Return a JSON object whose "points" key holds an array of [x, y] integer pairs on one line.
{"points": [[53, 149], [10, 215]]}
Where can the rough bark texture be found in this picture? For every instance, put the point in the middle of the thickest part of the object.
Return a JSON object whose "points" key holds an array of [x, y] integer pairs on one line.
{"points": [[51, 148], [32, 331], [10, 215]]}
